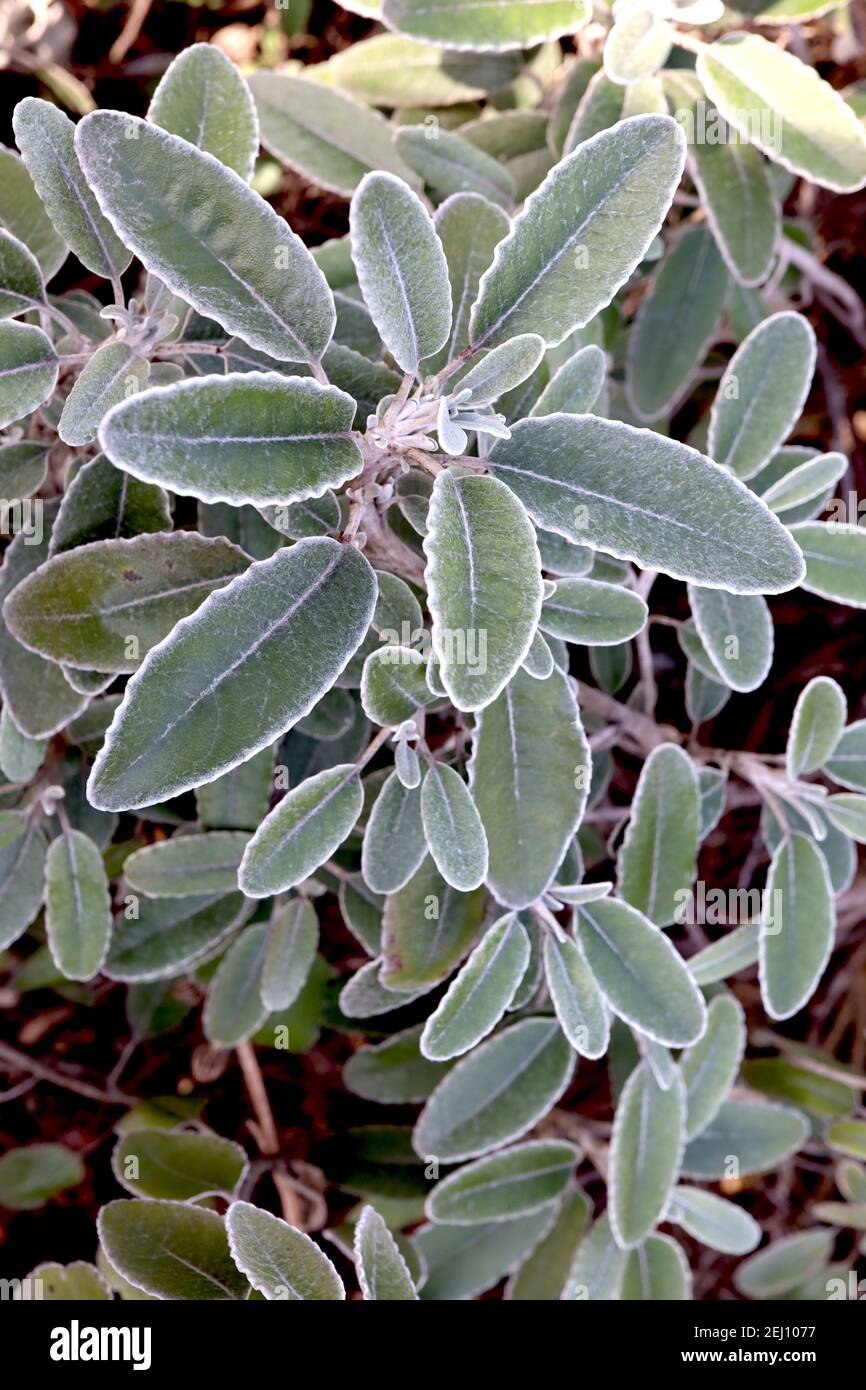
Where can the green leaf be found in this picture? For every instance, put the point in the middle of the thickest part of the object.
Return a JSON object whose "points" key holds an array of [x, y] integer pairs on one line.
{"points": [[177, 1166], [732, 179], [291, 949], [783, 106], [202, 98], [762, 393], [23, 214], [529, 777], [502, 369], [785, 1264], [497, 1093], [253, 437], [276, 637], [542, 1275], [159, 938], [575, 997], [77, 1282], [735, 951], [816, 726], [239, 799], [646, 1148], [302, 831], [22, 468], [469, 228], [234, 1009], [77, 905], [592, 613], [393, 1072], [401, 268], [21, 286], [382, 1272], [279, 1260], [575, 388], [637, 45], [113, 374], [798, 926], [640, 973], [20, 756], [805, 483], [453, 828], [484, 585], [504, 1185], [394, 841], [450, 164], [46, 140], [364, 995], [640, 496], [657, 1271], [658, 858], [581, 234], [675, 324], [486, 24], [461, 1261], [22, 872], [394, 685], [479, 995], [714, 1222], [757, 1135], [28, 370], [102, 503], [171, 1250], [241, 266], [835, 556], [599, 1267], [847, 811], [710, 1066], [392, 71], [847, 766], [847, 1137], [428, 927], [103, 606], [186, 865], [737, 634], [30, 1176]]}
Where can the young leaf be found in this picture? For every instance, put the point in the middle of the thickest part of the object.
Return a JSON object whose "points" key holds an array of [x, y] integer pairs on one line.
{"points": [[394, 841], [103, 606], [486, 24], [835, 556], [428, 927], [278, 1259], [186, 865], [675, 324], [253, 437], [847, 811], [453, 828], [382, 1272], [761, 1136], [643, 497], [171, 934], [504, 1185], [291, 949], [202, 98], [816, 726], [22, 874], [714, 1222], [646, 1148], [302, 831], [484, 585], [762, 393], [592, 613], [394, 685], [502, 369], [529, 776], [637, 45], [20, 756], [710, 1066], [173, 731], [401, 268], [234, 1009], [469, 228], [575, 388], [798, 926], [479, 995], [112, 375], [581, 234], [784, 107], [46, 139], [497, 1093], [658, 858], [847, 766], [656, 1271], [450, 164], [171, 1250], [77, 905], [737, 633], [241, 266], [176, 1166], [575, 997], [28, 370], [735, 951], [640, 973]]}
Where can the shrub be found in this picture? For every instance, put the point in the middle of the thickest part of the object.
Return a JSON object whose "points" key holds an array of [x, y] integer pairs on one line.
{"points": [[308, 544]]}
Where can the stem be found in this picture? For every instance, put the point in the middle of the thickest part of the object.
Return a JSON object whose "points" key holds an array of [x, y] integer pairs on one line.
{"points": [[266, 1136], [42, 1072]]}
